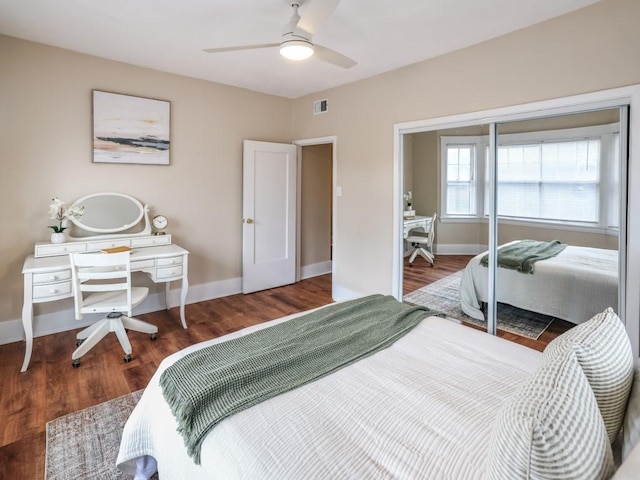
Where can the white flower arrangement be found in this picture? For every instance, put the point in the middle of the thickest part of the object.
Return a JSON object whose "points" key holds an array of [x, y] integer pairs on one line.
{"points": [[57, 211], [408, 197]]}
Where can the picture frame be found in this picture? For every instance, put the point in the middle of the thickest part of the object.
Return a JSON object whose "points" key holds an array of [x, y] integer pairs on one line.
{"points": [[130, 130]]}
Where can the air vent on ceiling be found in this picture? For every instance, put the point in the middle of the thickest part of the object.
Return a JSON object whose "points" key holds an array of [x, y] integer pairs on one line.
{"points": [[320, 106]]}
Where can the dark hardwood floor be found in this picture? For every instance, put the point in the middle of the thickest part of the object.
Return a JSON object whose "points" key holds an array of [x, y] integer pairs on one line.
{"points": [[51, 387]]}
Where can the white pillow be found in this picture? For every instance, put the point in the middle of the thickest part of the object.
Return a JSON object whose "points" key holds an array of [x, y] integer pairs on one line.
{"points": [[603, 350], [551, 428], [631, 424]]}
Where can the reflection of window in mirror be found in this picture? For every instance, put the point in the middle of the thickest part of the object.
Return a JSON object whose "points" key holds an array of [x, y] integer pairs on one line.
{"points": [[557, 170], [563, 171]]}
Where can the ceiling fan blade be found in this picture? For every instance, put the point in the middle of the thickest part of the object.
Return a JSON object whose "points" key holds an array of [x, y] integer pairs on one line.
{"points": [[242, 47], [315, 13], [333, 57]]}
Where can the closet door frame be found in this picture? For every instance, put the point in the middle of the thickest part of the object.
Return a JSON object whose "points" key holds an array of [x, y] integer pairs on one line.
{"points": [[629, 281]]}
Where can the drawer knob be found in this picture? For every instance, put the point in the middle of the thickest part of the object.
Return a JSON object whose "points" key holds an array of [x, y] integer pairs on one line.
{"points": [[53, 277], [54, 290]]}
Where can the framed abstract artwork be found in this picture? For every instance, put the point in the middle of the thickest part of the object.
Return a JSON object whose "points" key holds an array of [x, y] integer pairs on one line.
{"points": [[128, 129]]}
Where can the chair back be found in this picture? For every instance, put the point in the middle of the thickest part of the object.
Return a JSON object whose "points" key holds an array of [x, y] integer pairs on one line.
{"points": [[432, 231], [101, 273]]}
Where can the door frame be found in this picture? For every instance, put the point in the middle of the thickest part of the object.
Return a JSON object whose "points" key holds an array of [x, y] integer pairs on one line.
{"points": [[305, 142], [601, 99]]}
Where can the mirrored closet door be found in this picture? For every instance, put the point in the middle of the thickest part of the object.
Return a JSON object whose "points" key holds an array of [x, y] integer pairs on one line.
{"points": [[548, 192], [559, 183]]}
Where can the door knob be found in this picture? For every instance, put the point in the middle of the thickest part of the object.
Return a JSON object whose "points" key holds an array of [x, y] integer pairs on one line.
{"points": [[249, 220]]}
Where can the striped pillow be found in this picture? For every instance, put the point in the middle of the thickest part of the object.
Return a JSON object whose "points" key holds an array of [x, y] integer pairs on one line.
{"points": [[551, 428], [603, 351]]}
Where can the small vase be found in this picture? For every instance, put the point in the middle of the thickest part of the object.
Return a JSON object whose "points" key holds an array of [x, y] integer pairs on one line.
{"points": [[58, 237]]}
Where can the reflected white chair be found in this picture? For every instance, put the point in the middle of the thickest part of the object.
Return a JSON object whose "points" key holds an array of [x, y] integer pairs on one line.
{"points": [[422, 242], [102, 284]]}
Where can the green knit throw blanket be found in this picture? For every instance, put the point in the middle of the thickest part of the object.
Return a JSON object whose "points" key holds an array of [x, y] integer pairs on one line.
{"points": [[212, 383], [522, 255]]}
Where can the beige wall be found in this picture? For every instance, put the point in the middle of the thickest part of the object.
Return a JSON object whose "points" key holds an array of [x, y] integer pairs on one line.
{"points": [[46, 151], [407, 165], [315, 202], [588, 50], [426, 172]]}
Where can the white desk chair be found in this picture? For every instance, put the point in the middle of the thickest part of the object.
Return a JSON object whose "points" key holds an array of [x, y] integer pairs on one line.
{"points": [[102, 284], [423, 243]]}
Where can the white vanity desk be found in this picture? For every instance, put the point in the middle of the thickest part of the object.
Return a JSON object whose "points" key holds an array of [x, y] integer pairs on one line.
{"points": [[47, 273], [418, 221]]}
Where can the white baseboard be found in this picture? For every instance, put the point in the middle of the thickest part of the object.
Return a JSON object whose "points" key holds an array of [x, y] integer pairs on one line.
{"points": [[459, 249], [315, 269], [64, 320], [341, 293]]}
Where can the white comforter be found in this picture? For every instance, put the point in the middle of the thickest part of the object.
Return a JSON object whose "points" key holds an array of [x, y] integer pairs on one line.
{"points": [[574, 285], [422, 408]]}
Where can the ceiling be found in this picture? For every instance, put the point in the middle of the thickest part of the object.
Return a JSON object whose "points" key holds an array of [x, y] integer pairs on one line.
{"points": [[170, 35]]}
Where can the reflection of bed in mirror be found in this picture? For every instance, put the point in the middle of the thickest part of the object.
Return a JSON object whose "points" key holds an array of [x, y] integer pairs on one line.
{"points": [[574, 285]]}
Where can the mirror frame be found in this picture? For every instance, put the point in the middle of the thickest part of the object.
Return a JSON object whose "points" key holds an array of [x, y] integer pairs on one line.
{"points": [[142, 212]]}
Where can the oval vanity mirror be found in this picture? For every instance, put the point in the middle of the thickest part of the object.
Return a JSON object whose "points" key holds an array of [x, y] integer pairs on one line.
{"points": [[108, 213]]}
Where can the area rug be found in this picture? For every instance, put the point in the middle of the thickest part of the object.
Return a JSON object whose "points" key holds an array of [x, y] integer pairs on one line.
{"points": [[443, 295], [84, 444]]}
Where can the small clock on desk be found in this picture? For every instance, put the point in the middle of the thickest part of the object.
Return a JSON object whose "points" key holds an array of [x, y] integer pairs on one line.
{"points": [[159, 223]]}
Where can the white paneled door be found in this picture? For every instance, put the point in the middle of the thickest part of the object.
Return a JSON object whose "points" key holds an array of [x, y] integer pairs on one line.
{"points": [[269, 215]]}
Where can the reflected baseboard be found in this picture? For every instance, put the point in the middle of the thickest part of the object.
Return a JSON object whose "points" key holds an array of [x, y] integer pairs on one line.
{"points": [[459, 249]]}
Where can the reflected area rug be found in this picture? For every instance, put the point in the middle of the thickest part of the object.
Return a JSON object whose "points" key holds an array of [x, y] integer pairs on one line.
{"points": [[84, 444], [443, 295]]}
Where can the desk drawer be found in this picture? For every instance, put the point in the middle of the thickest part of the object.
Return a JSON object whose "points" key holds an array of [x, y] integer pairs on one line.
{"points": [[142, 265], [151, 241], [101, 245], [48, 250], [169, 272], [51, 290], [51, 277], [169, 261]]}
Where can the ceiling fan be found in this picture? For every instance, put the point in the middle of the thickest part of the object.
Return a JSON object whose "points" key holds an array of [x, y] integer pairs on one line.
{"points": [[295, 42]]}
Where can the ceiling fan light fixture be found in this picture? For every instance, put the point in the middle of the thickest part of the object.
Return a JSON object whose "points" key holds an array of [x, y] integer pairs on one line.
{"points": [[296, 49]]}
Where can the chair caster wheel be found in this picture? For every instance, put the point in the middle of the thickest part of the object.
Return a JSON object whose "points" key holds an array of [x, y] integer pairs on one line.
{"points": [[154, 336], [76, 363], [127, 358]]}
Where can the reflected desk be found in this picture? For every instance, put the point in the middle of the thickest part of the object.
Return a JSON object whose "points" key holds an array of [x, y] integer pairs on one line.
{"points": [[47, 275], [412, 223], [416, 222]]}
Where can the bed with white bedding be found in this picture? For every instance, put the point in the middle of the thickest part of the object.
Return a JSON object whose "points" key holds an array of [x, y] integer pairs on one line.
{"points": [[422, 408], [574, 285], [443, 402]]}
